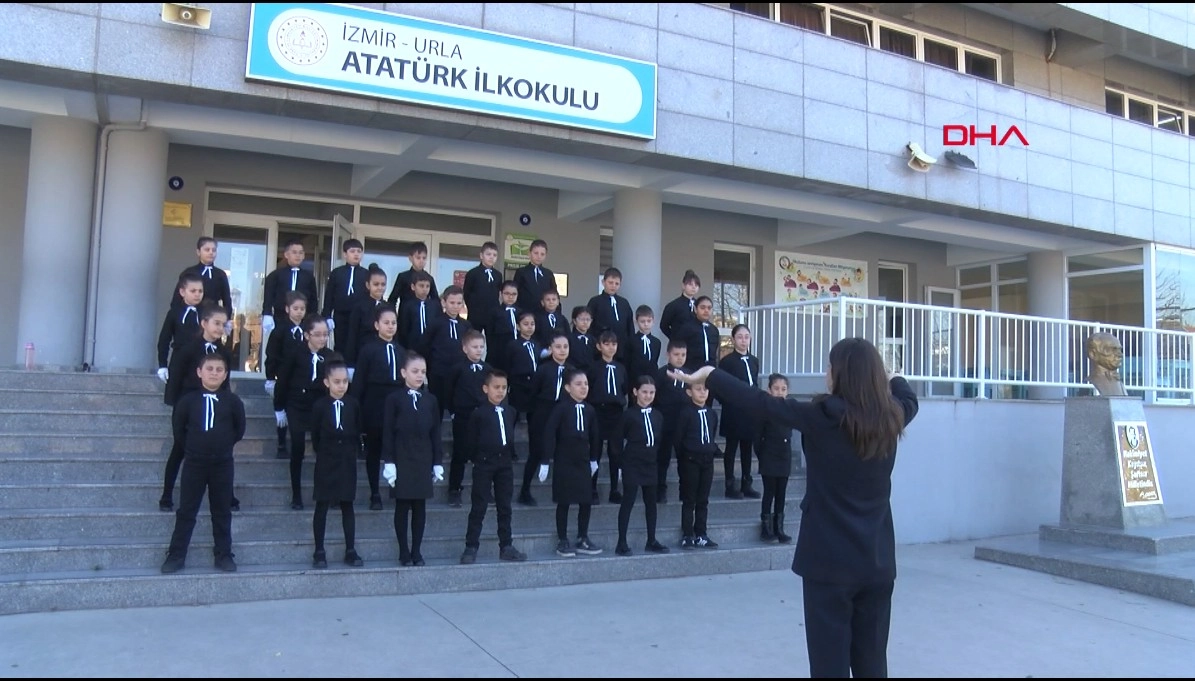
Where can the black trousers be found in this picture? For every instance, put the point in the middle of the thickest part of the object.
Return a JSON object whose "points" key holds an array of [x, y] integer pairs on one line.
{"points": [[340, 335], [609, 417], [298, 420], [460, 455], [666, 451], [416, 509], [696, 479], [846, 628], [347, 520], [583, 512], [215, 477], [649, 511], [774, 488], [173, 463], [744, 447], [494, 481], [373, 457], [537, 422]]}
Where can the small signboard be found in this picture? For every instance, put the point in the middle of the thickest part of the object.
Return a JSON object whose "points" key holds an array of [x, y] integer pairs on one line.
{"points": [[518, 248], [1138, 474]]}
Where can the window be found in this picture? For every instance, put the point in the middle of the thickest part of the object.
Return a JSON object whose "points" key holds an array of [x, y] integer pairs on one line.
{"points": [[999, 287], [889, 37], [734, 270], [1142, 110]]}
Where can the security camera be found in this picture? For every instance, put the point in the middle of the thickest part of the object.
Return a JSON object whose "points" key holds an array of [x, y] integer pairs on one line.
{"points": [[918, 159]]}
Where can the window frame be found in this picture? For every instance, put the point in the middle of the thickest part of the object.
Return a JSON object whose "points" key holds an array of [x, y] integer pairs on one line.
{"points": [[1186, 116], [751, 292]]}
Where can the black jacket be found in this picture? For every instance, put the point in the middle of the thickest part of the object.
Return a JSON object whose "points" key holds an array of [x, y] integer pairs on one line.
{"points": [[607, 384], [281, 282], [547, 384], [545, 329], [695, 441], [301, 380], [502, 331], [531, 285], [484, 435], [284, 339], [846, 534], [483, 289], [337, 297], [412, 325], [215, 287], [464, 387], [677, 314], [180, 325], [642, 362], [604, 319], [361, 328], [184, 363], [208, 424], [703, 340], [582, 350], [402, 292], [442, 344], [739, 423]]}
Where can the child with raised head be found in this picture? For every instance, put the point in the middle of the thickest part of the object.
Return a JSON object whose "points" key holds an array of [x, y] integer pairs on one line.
{"points": [[522, 359], [670, 398], [362, 317], [547, 388], [290, 276], [483, 286], [549, 320], [504, 326], [582, 350], [532, 278], [182, 321], [695, 453], [465, 394], [347, 285], [612, 312], [702, 338], [739, 425], [215, 280], [644, 353], [571, 445], [413, 450], [640, 432], [208, 422], [300, 384], [336, 438], [418, 311], [282, 341], [378, 376], [682, 310], [403, 290], [491, 446], [442, 345], [608, 395], [775, 451]]}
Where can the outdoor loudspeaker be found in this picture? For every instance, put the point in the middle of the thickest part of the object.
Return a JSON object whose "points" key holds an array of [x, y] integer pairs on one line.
{"points": [[186, 15]]}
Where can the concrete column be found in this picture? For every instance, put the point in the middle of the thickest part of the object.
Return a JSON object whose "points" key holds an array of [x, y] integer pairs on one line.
{"points": [[1047, 298], [57, 234], [639, 245], [130, 243]]}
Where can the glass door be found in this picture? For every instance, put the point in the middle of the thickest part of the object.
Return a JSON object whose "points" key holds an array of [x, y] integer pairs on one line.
{"points": [[244, 243], [892, 286], [389, 248], [452, 260], [942, 340]]}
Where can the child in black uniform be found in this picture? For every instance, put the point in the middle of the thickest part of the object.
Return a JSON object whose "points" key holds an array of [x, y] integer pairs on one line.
{"points": [[522, 358], [670, 397], [695, 453], [702, 338], [290, 276], [532, 278], [641, 429], [547, 387], [490, 444], [465, 390], [209, 422], [681, 311], [361, 319], [378, 375], [612, 312], [182, 321], [549, 321], [403, 291], [739, 426], [413, 449], [418, 311], [283, 340], [775, 452], [336, 438], [483, 284], [214, 279], [347, 285], [442, 345], [504, 327], [582, 346], [300, 384], [644, 353], [608, 395], [571, 443]]}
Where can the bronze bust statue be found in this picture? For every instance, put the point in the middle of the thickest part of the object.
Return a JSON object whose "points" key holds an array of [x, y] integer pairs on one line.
{"points": [[1106, 355]]}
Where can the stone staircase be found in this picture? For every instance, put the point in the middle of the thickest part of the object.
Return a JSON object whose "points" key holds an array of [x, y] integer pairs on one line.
{"points": [[81, 461]]}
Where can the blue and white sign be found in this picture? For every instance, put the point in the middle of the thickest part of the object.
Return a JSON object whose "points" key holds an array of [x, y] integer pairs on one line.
{"points": [[366, 52]]}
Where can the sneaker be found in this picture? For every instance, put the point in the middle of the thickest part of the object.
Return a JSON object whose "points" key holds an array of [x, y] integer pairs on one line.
{"points": [[296, 504], [226, 563], [526, 499], [564, 549], [655, 547], [704, 542], [469, 557], [173, 564], [510, 553], [375, 502], [615, 497], [454, 498], [688, 544], [319, 561], [623, 550], [587, 547], [165, 505], [351, 559]]}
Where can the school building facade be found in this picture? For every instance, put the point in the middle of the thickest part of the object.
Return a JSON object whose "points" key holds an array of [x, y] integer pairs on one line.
{"points": [[1016, 159]]}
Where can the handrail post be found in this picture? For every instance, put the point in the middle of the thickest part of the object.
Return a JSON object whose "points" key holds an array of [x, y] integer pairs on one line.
{"points": [[981, 359], [841, 319]]}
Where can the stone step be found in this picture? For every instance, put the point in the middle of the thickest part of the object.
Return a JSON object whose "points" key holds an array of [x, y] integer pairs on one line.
{"points": [[79, 381], [201, 584], [123, 402], [90, 422], [26, 444], [375, 542]]}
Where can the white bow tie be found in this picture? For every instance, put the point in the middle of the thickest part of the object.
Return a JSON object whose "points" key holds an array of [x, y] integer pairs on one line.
{"points": [[189, 311], [747, 364], [501, 424], [559, 380], [392, 362], [209, 348], [489, 275], [651, 435], [297, 333], [614, 305], [414, 398], [352, 270], [647, 347], [337, 405], [294, 278], [580, 417], [209, 411], [705, 427], [452, 328], [315, 361], [207, 271], [611, 380]]}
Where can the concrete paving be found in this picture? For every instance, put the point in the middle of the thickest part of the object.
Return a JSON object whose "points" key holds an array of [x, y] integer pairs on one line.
{"points": [[953, 616]]}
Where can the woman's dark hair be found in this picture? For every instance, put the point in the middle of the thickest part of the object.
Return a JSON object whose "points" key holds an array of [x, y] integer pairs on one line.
{"points": [[310, 321], [380, 311], [691, 278], [735, 330], [376, 271], [643, 380], [873, 420]]}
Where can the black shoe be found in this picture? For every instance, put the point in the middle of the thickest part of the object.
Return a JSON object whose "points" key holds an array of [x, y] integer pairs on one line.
{"points": [[296, 504], [732, 490], [352, 559], [235, 506], [564, 549], [417, 560], [623, 550], [173, 564], [469, 557], [526, 499], [655, 547], [510, 553], [165, 505], [749, 491], [320, 560], [282, 453], [226, 563], [404, 561], [662, 494], [615, 496], [375, 502], [704, 542], [454, 498], [688, 544], [587, 547], [597, 500]]}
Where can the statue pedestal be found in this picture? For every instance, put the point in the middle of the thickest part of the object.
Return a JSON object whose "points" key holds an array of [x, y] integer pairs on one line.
{"points": [[1108, 474]]}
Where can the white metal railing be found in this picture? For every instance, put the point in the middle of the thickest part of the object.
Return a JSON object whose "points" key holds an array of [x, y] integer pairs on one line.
{"points": [[970, 353]]}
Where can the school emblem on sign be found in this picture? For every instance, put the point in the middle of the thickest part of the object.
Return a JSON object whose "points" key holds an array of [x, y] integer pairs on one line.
{"points": [[302, 41]]}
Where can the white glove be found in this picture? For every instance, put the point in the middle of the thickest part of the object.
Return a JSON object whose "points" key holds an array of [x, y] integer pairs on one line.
{"points": [[228, 328], [593, 468], [280, 418], [331, 325], [267, 324], [352, 371], [163, 375], [543, 472], [437, 474], [390, 474], [270, 388]]}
